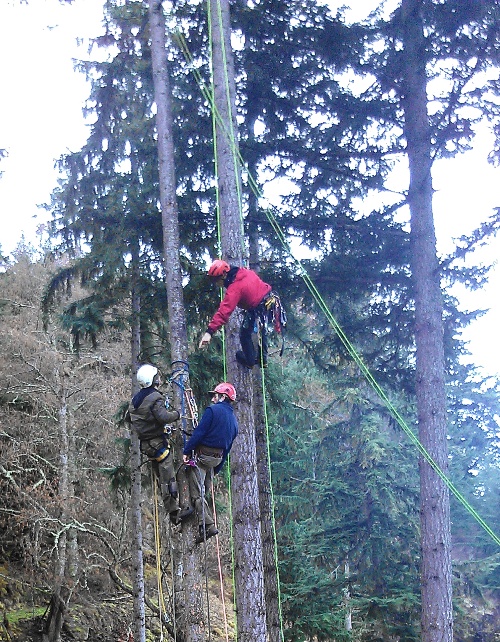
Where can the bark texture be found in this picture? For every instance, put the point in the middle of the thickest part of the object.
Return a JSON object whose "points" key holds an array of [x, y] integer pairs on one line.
{"points": [[249, 583], [437, 621], [269, 561], [188, 569], [135, 465]]}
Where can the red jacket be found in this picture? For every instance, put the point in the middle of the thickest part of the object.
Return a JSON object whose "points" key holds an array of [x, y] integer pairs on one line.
{"points": [[246, 292]]}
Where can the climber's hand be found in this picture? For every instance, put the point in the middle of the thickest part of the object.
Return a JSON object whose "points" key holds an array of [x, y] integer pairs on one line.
{"points": [[205, 340]]}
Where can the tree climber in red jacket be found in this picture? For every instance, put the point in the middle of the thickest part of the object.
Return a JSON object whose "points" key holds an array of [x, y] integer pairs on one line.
{"points": [[245, 290]]}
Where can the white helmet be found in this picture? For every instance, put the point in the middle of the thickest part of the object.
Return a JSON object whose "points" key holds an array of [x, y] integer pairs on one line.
{"points": [[146, 375]]}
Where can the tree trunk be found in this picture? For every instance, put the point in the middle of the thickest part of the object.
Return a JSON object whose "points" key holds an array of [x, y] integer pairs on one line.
{"points": [[437, 621], [135, 465], [189, 600], [60, 595], [347, 599], [137, 560], [55, 617], [269, 559], [248, 573], [228, 171], [73, 553]]}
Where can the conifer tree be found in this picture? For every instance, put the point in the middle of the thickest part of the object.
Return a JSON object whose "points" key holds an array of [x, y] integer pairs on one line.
{"points": [[189, 601], [249, 583], [427, 32], [437, 614]]}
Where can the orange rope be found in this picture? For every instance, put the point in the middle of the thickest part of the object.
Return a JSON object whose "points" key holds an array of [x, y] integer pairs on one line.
{"points": [[219, 564]]}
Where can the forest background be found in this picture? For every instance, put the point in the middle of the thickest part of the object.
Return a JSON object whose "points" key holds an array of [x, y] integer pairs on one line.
{"points": [[347, 488]]}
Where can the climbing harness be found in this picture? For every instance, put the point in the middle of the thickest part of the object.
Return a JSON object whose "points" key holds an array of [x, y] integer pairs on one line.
{"points": [[267, 317], [273, 316], [160, 453]]}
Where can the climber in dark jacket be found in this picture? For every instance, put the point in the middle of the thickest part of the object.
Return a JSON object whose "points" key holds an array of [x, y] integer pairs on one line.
{"points": [[150, 418]]}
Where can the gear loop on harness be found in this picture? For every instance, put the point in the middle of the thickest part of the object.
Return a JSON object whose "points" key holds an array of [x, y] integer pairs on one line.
{"points": [[269, 315], [157, 453]]}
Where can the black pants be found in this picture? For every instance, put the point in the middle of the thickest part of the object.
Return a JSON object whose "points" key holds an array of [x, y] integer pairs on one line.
{"points": [[254, 346]]}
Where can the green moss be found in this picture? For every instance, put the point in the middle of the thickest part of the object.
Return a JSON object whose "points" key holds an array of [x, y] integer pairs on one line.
{"points": [[25, 614]]}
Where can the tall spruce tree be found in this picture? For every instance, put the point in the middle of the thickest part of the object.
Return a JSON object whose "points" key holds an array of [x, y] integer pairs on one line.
{"points": [[437, 613], [106, 205], [189, 602], [249, 581], [420, 35]]}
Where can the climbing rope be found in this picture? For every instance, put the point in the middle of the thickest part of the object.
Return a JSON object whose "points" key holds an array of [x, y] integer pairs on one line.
{"points": [[271, 492], [219, 565], [159, 574]]}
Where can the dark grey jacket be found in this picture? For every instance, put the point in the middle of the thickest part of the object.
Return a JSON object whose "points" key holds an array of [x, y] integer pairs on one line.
{"points": [[148, 414]]}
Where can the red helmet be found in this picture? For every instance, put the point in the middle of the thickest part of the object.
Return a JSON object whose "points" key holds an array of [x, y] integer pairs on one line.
{"points": [[218, 268], [225, 389]]}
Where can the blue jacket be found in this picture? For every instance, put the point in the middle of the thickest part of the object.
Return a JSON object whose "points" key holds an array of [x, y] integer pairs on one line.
{"points": [[217, 429]]}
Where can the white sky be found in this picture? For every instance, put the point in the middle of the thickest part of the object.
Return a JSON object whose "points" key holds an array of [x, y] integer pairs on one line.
{"points": [[41, 118], [467, 192], [42, 100]]}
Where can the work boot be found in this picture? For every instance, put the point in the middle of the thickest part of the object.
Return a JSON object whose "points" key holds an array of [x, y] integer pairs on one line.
{"points": [[207, 533], [184, 513], [174, 518], [240, 358]]}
